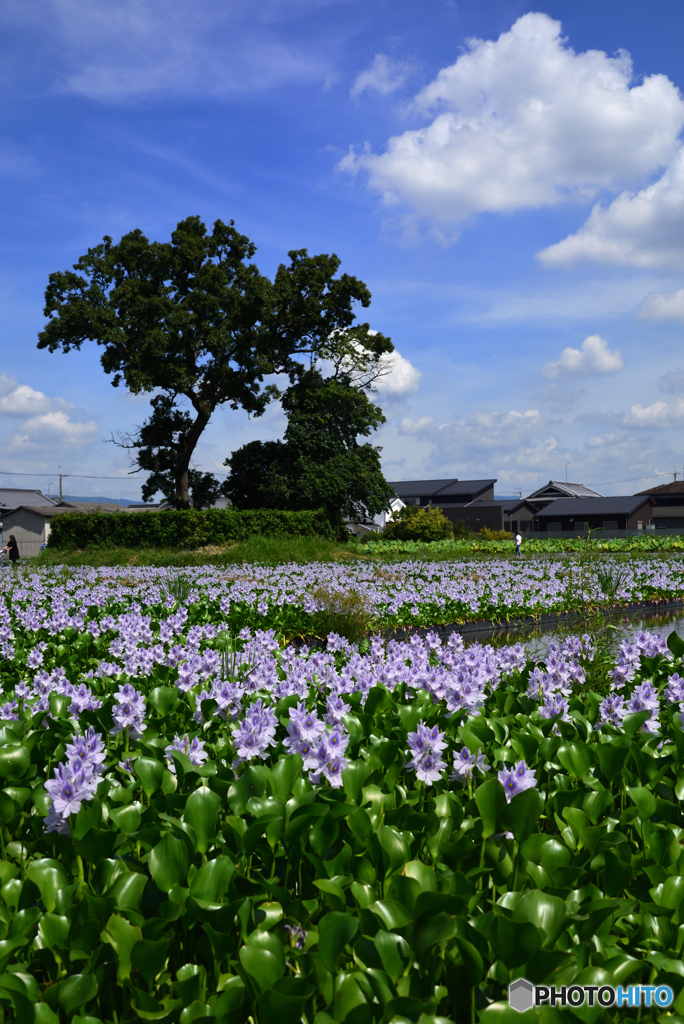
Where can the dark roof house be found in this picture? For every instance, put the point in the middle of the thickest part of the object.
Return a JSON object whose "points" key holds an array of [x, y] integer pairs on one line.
{"points": [[13, 497], [513, 514], [560, 489], [571, 515], [443, 492]]}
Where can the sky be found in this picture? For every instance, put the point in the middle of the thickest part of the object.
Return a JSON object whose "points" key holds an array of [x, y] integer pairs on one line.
{"points": [[507, 178]]}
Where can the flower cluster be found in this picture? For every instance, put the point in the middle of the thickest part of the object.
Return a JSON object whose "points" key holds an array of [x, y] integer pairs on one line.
{"points": [[192, 748], [426, 747], [76, 780], [255, 733], [321, 747], [129, 711], [517, 780]]}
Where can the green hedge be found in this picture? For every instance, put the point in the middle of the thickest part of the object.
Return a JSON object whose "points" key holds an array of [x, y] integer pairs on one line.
{"points": [[186, 529]]}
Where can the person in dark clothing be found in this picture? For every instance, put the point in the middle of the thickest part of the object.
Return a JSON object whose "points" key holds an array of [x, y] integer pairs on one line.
{"points": [[12, 549]]}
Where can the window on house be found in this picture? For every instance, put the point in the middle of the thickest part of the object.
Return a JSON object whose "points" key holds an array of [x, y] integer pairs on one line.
{"points": [[579, 526], [554, 526], [610, 524]]}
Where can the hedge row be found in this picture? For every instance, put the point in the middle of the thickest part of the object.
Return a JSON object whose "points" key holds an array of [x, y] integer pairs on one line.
{"points": [[184, 529]]}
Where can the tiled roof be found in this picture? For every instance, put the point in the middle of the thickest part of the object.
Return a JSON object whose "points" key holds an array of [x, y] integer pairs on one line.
{"points": [[623, 505]]}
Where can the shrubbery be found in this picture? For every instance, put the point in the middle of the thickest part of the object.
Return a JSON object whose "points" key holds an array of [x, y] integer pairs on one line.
{"points": [[182, 529], [422, 524]]}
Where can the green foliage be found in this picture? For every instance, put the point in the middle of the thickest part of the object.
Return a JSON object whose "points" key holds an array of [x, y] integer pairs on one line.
{"points": [[423, 525], [180, 529], [194, 318], [220, 896], [320, 463]]}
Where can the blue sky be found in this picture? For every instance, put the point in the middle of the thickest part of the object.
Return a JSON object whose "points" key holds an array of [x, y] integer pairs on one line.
{"points": [[507, 178]]}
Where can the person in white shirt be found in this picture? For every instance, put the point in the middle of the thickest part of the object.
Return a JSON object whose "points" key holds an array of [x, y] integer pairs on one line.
{"points": [[518, 542]]}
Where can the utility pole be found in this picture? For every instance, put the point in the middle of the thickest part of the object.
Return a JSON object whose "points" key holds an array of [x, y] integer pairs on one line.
{"points": [[675, 475], [62, 476], [566, 472]]}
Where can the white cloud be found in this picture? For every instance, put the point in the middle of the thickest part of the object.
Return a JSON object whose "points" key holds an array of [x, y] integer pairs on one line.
{"points": [[22, 400], [660, 414], [419, 426], [399, 377], [524, 121], [663, 306], [593, 357], [57, 427], [383, 76], [638, 229]]}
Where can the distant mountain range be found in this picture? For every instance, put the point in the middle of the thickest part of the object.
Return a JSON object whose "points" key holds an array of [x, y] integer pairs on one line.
{"points": [[108, 501]]}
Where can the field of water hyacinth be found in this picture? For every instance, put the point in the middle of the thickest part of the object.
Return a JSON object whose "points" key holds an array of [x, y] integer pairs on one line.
{"points": [[199, 822]]}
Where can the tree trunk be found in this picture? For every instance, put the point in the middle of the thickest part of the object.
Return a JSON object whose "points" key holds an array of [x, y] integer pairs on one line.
{"points": [[186, 451]]}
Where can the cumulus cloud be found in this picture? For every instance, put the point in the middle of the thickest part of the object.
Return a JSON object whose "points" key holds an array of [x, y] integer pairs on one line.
{"points": [[594, 356], [659, 414], [22, 400], [383, 76], [638, 229], [419, 426], [524, 121], [399, 376], [663, 306], [486, 436], [57, 427]]}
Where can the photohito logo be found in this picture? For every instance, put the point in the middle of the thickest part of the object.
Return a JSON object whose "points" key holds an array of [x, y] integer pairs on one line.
{"points": [[523, 995]]}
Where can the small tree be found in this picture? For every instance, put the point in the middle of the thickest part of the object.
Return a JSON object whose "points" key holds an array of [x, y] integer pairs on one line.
{"points": [[421, 524], [320, 463]]}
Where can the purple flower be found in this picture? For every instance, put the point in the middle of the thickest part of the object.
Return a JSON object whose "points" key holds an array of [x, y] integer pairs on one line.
{"points": [[129, 711], [516, 780], [193, 750], [298, 936], [465, 764], [612, 709], [8, 711]]}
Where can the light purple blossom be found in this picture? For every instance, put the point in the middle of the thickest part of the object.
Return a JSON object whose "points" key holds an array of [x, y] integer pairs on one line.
{"points": [[517, 780], [192, 748], [466, 763]]}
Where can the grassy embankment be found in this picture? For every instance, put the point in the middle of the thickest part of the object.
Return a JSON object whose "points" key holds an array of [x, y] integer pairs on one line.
{"points": [[275, 550]]}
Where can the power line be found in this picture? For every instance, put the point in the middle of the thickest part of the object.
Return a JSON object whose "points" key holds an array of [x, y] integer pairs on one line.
{"points": [[86, 476]]}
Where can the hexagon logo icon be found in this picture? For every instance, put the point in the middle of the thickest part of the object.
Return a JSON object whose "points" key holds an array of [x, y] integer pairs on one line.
{"points": [[521, 995]]}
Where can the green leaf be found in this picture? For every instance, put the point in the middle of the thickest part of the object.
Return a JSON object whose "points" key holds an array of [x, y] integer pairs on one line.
{"points": [[54, 931], [353, 780], [76, 991], [149, 958], [472, 960], [576, 757], [334, 932], [128, 889], [261, 965], [212, 880], [513, 941], [491, 801], [391, 913], [395, 845], [542, 910], [50, 877], [431, 929], [201, 812], [521, 815], [123, 937], [285, 773], [277, 1008], [644, 800], [378, 700], [164, 699], [149, 771], [15, 761], [127, 818], [611, 758], [169, 862]]}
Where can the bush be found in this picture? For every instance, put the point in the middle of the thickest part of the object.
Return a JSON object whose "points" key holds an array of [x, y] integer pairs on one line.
{"points": [[488, 534], [422, 524], [181, 529]]}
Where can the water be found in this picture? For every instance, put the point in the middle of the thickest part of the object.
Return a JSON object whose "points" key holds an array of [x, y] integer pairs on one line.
{"points": [[536, 638]]}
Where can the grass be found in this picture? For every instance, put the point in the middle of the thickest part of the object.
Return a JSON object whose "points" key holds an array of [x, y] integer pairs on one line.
{"points": [[279, 550]]}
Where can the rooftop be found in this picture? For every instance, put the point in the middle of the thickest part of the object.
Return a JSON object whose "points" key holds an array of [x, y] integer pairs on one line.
{"points": [[562, 487], [622, 505]]}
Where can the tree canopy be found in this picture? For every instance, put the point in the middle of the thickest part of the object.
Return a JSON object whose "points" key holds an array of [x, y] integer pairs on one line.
{"points": [[319, 463], [194, 320]]}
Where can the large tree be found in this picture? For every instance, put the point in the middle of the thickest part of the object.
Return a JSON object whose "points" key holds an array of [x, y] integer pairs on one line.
{"points": [[194, 320], [320, 463]]}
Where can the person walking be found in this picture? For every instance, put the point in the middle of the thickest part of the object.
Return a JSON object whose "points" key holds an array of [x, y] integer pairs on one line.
{"points": [[12, 550], [518, 542]]}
